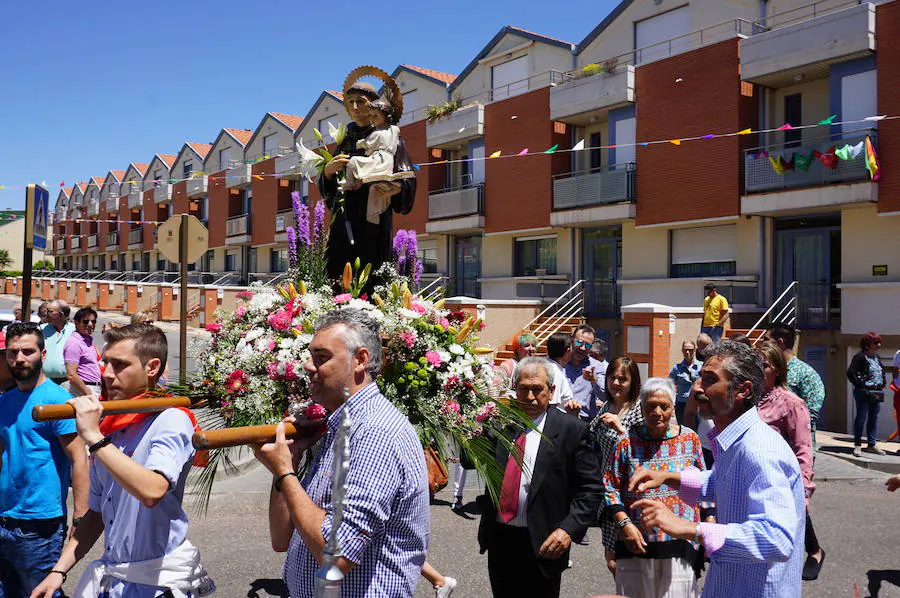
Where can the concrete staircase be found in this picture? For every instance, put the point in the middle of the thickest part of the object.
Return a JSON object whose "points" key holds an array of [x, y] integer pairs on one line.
{"points": [[755, 336], [541, 328]]}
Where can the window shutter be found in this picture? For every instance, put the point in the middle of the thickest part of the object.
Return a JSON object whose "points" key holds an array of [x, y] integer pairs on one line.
{"points": [[706, 244]]}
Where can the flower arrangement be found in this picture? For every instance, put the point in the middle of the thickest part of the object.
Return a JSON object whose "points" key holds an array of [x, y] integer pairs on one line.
{"points": [[312, 164], [252, 370]]}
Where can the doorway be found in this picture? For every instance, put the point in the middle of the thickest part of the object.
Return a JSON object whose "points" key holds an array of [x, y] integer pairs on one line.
{"points": [[601, 269], [467, 262], [808, 251]]}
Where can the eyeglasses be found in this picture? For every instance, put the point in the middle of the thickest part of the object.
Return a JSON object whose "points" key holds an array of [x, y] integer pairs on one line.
{"points": [[86, 322], [583, 344]]}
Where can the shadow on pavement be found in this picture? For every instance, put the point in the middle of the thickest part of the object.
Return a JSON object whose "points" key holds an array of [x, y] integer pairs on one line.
{"points": [[269, 587], [876, 577]]}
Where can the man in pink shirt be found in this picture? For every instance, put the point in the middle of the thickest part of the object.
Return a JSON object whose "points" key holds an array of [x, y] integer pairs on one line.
{"points": [[81, 356]]}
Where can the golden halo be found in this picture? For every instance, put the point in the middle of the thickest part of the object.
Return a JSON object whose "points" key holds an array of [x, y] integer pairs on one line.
{"points": [[390, 92]]}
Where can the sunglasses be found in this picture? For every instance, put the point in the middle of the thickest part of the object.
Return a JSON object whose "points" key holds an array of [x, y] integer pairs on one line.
{"points": [[584, 344]]}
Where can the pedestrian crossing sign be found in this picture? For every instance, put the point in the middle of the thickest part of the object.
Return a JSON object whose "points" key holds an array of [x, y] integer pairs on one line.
{"points": [[37, 206]]}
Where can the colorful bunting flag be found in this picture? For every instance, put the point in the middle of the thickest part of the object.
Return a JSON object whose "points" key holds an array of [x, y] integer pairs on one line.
{"points": [[417, 167], [578, 146], [875, 117], [802, 162], [850, 152], [62, 183], [675, 141], [744, 132], [828, 159], [827, 121], [257, 177], [777, 164], [708, 136], [785, 127], [523, 152], [552, 149], [872, 164], [495, 154]]}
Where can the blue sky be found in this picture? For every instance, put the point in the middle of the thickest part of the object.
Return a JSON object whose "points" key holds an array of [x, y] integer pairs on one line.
{"points": [[91, 86]]}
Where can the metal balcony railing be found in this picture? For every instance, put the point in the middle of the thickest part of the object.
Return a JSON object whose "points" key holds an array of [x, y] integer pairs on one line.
{"points": [[801, 13], [596, 187], [135, 236], [112, 239], [804, 168], [453, 203], [75, 242], [283, 220], [91, 241], [238, 225]]}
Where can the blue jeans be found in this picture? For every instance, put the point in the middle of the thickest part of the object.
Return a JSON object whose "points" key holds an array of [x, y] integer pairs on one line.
{"points": [[715, 332], [865, 409], [28, 551]]}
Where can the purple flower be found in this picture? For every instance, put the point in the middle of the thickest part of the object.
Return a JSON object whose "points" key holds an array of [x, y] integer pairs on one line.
{"points": [[301, 218], [292, 246], [319, 222], [400, 241], [412, 253]]}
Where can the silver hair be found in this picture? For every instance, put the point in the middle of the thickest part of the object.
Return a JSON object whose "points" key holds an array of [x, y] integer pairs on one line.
{"points": [[743, 363], [360, 330], [540, 362], [62, 306], [652, 386]]}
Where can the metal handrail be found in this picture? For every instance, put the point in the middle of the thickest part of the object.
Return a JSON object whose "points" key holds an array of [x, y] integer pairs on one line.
{"points": [[792, 305], [763, 25], [557, 300], [629, 166], [427, 292]]}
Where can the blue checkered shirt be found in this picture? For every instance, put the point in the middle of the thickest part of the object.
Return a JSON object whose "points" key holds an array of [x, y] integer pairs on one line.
{"points": [[756, 548], [385, 526]]}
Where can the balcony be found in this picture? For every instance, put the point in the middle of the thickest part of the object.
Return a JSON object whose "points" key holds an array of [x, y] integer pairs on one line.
{"points": [[283, 219], [599, 195], [760, 175], [273, 152], [135, 238], [197, 186], [93, 208], [465, 123], [287, 165], [162, 193], [76, 243], [237, 176], [112, 203], [580, 98], [60, 245], [92, 243], [456, 210], [135, 197], [237, 230], [803, 43], [112, 240]]}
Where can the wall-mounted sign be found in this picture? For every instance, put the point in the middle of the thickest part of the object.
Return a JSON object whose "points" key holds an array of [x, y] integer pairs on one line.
{"points": [[880, 270]]}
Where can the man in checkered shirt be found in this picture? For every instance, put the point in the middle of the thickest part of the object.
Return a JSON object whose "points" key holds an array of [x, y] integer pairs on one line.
{"points": [[384, 534]]}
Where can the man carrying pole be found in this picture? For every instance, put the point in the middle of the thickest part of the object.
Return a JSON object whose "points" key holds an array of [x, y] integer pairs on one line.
{"points": [[139, 464]]}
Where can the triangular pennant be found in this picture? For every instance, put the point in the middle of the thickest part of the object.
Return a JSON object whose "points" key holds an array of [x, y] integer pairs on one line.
{"points": [[802, 162], [870, 118], [578, 146], [495, 154], [744, 132], [257, 177], [675, 141], [417, 167], [523, 152], [785, 127], [777, 164], [872, 164], [843, 152], [856, 150], [708, 136], [828, 159], [828, 121], [552, 149]]}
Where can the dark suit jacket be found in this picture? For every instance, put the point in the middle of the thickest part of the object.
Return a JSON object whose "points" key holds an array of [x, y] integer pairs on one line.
{"points": [[566, 487]]}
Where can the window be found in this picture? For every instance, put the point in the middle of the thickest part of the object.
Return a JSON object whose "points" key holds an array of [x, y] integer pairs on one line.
{"points": [[230, 262], [160, 264], [223, 159], [270, 143], [204, 208], [278, 260], [510, 78], [704, 252], [323, 127], [535, 254], [169, 210], [793, 114], [428, 257], [650, 34], [187, 169]]}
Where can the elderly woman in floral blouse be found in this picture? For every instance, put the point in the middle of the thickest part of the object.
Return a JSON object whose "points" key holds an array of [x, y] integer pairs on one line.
{"points": [[649, 563]]}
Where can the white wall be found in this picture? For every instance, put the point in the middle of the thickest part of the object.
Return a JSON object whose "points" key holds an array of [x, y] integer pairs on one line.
{"points": [[11, 239], [157, 165], [224, 142], [329, 109], [269, 126], [425, 93], [868, 239]]}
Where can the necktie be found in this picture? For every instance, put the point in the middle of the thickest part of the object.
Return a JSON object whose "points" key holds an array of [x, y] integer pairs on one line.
{"points": [[512, 478]]}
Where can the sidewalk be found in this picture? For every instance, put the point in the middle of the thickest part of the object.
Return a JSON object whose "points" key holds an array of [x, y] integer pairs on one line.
{"points": [[841, 446]]}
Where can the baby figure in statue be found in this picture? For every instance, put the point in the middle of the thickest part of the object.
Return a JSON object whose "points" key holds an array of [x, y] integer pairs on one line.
{"points": [[377, 165]]}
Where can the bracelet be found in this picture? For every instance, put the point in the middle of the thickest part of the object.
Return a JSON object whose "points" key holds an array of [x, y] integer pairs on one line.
{"points": [[76, 521], [277, 482], [622, 523], [698, 535], [63, 573], [99, 445]]}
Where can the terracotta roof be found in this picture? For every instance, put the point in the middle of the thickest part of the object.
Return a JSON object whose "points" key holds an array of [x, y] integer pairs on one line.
{"points": [[168, 159], [445, 77], [290, 120], [119, 174], [97, 180], [201, 148], [242, 135], [547, 37], [67, 190], [141, 168], [339, 95], [81, 186]]}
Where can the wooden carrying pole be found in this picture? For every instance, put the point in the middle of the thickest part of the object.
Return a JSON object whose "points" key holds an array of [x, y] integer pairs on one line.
{"points": [[43, 413], [215, 439]]}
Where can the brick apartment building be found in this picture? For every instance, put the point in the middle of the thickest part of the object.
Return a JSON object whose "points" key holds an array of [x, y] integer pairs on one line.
{"points": [[639, 224]]}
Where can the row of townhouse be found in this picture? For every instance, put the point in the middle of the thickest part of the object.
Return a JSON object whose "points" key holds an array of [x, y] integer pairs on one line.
{"points": [[639, 224]]}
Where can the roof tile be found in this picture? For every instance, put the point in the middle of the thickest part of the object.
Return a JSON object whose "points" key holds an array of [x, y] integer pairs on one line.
{"points": [[242, 135], [200, 148], [445, 77], [555, 39], [168, 159], [290, 120]]}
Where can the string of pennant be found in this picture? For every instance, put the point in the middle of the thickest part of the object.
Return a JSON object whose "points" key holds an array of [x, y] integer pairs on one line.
{"points": [[80, 220], [831, 121]]}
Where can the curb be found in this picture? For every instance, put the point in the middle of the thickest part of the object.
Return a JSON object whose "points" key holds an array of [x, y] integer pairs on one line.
{"points": [[882, 466]]}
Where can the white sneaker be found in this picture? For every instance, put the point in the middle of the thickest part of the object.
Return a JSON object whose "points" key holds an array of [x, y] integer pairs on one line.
{"points": [[446, 590], [874, 450], [857, 451]]}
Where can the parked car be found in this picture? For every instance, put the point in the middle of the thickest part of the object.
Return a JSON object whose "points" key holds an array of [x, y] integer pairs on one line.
{"points": [[7, 316]]}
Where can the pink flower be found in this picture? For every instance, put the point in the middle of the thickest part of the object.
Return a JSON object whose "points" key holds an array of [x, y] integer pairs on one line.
{"points": [[240, 312], [272, 370], [409, 337], [433, 358], [343, 298], [246, 295], [280, 320], [315, 411], [450, 408], [237, 381], [290, 370], [487, 411], [214, 327], [445, 323], [272, 344], [417, 307]]}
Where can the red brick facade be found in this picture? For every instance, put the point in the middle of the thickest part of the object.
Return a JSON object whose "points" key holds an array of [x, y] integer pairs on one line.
{"points": [[270, 195], [218, 209], [414, 136], [518, 191], [887, 30], [690, 95]]}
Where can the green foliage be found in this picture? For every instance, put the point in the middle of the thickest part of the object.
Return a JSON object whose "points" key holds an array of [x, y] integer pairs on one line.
{"points": [[5, 259], [44, 265], [438, 111]]}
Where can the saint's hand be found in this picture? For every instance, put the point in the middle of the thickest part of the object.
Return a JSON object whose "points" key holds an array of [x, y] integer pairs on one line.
{"points": [[555, 545], [654, 514], [386, 190], [88, 412], [633, 538], [644, 479], [338, 164]]}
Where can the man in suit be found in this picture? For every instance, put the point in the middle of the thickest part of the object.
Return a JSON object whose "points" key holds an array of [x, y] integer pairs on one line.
{"points": [[548, 496]]}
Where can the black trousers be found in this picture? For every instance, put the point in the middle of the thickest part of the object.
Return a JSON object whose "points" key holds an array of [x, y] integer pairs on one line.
{"points": [[514, 569], [812, 542]]}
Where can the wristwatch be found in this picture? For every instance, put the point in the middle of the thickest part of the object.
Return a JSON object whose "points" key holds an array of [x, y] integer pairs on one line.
{"points": [[623, 522]]}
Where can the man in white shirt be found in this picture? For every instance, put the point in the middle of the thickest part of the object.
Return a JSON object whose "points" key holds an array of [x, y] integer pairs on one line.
{"points": [[559, 349]]}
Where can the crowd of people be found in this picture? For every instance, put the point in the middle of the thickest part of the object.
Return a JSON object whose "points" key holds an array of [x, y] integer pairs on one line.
{"points": [[605, 449]]}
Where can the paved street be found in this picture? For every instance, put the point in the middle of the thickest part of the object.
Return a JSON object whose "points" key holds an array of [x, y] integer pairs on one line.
{"points": [[854, 516]]}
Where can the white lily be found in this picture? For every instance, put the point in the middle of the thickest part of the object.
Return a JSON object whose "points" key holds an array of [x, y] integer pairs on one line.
{"points": [[337, 133], [310, 161]]}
